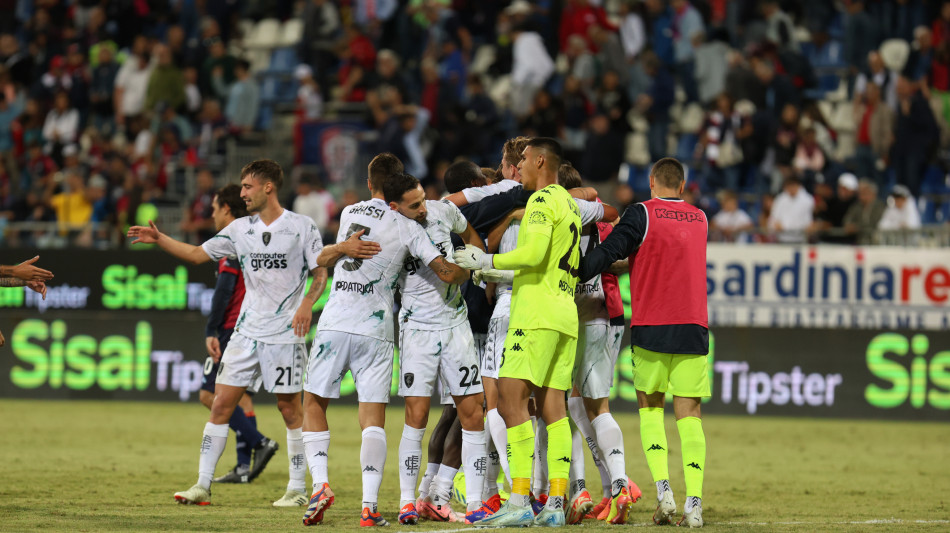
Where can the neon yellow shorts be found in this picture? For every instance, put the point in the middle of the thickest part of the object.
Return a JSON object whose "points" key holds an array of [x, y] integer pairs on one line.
{"points": [[684, 375], [545, 357]]}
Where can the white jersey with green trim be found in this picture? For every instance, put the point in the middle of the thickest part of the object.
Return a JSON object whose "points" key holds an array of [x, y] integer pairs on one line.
{"points": [[428, 303], [275, 261], [361, 296]]}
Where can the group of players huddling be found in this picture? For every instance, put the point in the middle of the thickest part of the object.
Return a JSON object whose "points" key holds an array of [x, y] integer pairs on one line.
{"points": [[508, 305]]}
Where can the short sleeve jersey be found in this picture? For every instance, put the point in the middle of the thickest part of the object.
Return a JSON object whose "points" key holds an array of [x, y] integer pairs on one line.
{"points": [[475, 194], [276, 261], [542, 297], [428, 303], [361, 297]]}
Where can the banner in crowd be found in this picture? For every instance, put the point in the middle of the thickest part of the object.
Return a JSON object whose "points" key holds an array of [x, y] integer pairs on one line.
{"points": [[828, 287], [336, 146]]}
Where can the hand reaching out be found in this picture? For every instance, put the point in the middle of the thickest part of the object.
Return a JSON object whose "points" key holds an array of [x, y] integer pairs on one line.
{"points": [[144, 235]]}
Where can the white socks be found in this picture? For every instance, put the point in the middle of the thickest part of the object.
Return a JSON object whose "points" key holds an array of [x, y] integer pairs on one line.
{"points": [[441, 488], [495, 425], [317, 445], [575, 405], [410, 461], [610, 441], [475, 465], [431, 470], [578, 476], [213, 440], [298, 463], [372, 461], [539, 482]]}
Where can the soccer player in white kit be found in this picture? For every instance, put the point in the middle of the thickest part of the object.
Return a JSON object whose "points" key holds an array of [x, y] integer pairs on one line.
{"points": [[436, 343], [277, 249], [598, 345], [355, 333]]}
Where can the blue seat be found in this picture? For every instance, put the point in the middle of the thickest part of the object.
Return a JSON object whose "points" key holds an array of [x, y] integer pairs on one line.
{"points": [[283, 60]]}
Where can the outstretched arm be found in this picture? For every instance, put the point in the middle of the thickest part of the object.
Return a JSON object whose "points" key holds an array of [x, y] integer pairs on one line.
{"points": [[622, 241], [184, 251], [352, 247], [448, 272], [25, 271], [527, 255]]}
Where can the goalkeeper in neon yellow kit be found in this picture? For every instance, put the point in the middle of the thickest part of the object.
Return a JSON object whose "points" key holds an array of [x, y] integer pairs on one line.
{"points": [[542, 332]]}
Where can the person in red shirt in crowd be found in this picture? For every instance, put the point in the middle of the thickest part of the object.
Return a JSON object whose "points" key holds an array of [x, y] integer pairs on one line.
{"points": [[578, 16]]}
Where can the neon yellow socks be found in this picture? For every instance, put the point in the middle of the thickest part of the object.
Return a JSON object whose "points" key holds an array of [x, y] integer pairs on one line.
{"points": [[559, 456], [693, 443], [520, 449], [653, 439]]}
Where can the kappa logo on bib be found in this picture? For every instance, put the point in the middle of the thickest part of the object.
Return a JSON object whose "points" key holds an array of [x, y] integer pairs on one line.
{"points": [[266, 237]]}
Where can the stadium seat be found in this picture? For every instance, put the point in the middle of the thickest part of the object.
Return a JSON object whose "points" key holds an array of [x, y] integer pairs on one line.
{"points": [[847, 145], [691, 119], [291, 32], [637, 122], [283, 60], [484, 57], [934, 181], [894, 53], [843, 118], [745, 108], [637, 149]]}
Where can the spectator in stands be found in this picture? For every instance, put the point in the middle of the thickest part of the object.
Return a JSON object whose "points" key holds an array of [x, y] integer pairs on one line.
{"points": [[780, 30], [582, 65], [915, 135], [480, 121], [197, 220], [61, 126], [901, 212], [878, 74], [9, 111], [774, 90], [55, 80], [720, 143], [784, 144], [72, 205], [357, 59], [314, 202], [860, 36], [577, 18], [322, 27], [712, 65], [809, 158], [921, 56], [309, 99], [829, 223], [791, 212], [167, 83], [17, 60], [530, 70], [577, 109], [387, 73], [545, 118], [131, 83], [610, 55], [661, 31], [731, 222], [217, 73], [192, 93], [100, 91], [244, 99], [213, 130], [687, 23], [632, 28], [603, 153], [655, 105], [71, 162], [863, 217], [875, 134]]}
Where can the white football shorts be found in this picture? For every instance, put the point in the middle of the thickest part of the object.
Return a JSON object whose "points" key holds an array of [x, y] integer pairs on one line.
{"points": [[277, 368], [598, 346], [449, 354], [369, 360]]}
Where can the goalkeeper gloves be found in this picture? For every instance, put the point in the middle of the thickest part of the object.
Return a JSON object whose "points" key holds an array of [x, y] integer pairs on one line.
{"points": [[472, 258], [490, 275]]}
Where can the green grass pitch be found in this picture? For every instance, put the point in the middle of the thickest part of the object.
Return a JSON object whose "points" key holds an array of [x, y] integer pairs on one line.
{"points": [[111, 466]]}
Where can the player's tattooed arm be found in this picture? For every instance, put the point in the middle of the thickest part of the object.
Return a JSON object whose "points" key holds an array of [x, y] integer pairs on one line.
{"points": [[448, 272], [37, 286], [352, 247], [470, 236]]}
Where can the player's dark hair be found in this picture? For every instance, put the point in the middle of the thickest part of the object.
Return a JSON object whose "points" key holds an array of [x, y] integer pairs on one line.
{"points": [[230, 195], [668, 172], [551, 146], [461, 175], [511, 151], [568, 176], [383, 167], [265, 170], [398, 185]]}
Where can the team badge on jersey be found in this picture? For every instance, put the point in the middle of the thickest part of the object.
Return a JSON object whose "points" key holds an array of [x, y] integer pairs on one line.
{"points": [[266, 237]]}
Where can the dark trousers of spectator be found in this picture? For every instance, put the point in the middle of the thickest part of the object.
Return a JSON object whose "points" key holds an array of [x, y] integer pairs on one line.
{"points": [[909, 168], [716, 178], [657, 136], [865, 166], [685, 71]]}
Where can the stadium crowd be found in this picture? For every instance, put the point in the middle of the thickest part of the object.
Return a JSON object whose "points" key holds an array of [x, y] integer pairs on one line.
{"points": [[102, 104]]}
